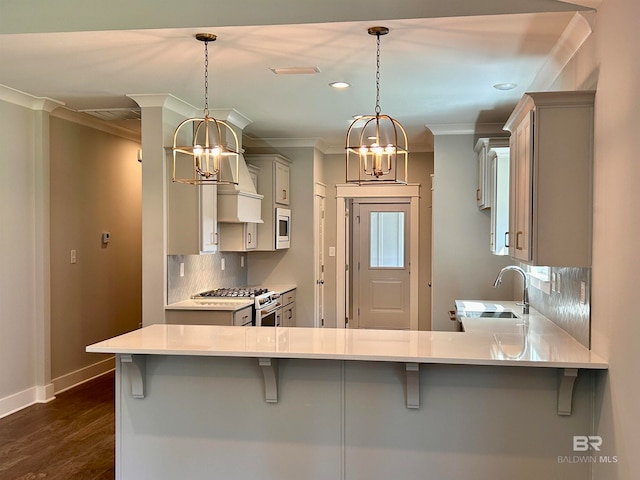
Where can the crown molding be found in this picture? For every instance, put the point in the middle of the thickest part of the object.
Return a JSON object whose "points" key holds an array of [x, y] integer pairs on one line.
{"points": [[570, 41], [254, 142], [164, 100], [232, 116], [22, 99], [466, 128], [95, 123]]}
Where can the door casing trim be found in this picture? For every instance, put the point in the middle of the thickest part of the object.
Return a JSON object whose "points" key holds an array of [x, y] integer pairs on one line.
{"points": [[378, 193]]}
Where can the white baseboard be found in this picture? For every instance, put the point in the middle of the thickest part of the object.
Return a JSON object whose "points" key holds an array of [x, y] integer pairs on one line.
{"points": [[17, 401], [73, 379], [45, 393]]}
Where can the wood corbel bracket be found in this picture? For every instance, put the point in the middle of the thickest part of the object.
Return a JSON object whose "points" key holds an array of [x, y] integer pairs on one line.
{"points": [[137, 368], [269, 368], [566, 382]]}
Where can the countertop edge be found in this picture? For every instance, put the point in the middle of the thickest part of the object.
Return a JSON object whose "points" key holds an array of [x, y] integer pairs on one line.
{"points": [[126, 344]]}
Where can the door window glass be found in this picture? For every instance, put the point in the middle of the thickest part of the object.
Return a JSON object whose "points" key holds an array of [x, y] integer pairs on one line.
{"points": [[386, 239]]}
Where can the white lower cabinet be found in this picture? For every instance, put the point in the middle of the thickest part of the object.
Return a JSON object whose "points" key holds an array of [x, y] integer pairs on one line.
{"points": [[209, 317], [287, 311]]}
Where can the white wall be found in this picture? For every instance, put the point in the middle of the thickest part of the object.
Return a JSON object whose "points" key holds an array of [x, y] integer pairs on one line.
{"points": [[463, 267], [26, 282], [100, 295], [17, 255], [610, 62]]}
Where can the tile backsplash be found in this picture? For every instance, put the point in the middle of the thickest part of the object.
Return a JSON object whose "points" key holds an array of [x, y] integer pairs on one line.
{"points": [[565, 307], [203, 272]]}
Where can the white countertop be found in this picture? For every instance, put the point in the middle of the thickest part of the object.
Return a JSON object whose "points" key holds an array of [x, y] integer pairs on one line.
{"points": [[224, 303], [281, 287], [213, 303], [464, 348]]}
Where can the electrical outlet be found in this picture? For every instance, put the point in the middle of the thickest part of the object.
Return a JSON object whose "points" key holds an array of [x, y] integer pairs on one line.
{"points": [[222, 264], [583, 293], [242, 261], [182, 269], [558, 283], [74, 257]]}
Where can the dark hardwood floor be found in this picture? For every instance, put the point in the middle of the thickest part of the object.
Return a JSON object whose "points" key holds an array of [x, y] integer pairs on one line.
{"points": [[70, 438]]}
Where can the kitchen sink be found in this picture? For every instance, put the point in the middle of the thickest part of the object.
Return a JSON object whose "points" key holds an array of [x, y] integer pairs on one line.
{"points": [[501, 314]]}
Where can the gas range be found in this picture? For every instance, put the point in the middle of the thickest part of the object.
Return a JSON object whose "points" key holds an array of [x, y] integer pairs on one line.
{"points": [[265, 302], [232, 292], [262, 297]]}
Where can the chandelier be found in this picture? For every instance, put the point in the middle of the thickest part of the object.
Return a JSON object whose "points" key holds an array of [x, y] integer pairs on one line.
{"points": [[205, 150], [376, 146]]}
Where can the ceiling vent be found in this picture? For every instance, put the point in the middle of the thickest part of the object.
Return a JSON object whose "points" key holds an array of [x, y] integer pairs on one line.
{"points": [[295, 70], [114, 114]]}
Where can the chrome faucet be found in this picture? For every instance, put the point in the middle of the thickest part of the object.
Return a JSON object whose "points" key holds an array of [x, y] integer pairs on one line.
{"points": [[525, 292]]}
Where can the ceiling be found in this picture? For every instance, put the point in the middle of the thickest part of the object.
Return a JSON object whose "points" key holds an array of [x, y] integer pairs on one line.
{"points": [[436, 73]]}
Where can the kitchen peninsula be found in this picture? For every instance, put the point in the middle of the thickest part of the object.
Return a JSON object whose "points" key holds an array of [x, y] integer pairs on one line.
{"points": [[197, 401]]}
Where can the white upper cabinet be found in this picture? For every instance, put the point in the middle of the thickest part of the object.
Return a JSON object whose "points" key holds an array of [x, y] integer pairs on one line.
{"points": [[273, 184], [551, 183], [482, 148], [240, 237], [192, 226], [281, 174], [498, 159]]}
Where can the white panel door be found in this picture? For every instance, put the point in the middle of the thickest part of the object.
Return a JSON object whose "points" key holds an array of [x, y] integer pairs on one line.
{"points": [[382, 253]]}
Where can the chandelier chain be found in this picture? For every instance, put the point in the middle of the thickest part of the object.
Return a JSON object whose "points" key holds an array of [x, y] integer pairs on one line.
{"points": [[206, 79], [378, 74]]}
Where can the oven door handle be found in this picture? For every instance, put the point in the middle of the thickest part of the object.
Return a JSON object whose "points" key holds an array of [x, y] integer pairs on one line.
{"points": [[267, 311], [275, 307]]}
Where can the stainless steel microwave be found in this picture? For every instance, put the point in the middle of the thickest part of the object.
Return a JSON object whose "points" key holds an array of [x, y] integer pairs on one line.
{"points": [[283, 228]]}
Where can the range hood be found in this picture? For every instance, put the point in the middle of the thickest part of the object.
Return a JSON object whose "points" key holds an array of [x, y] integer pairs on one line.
{"points": [[237, 203]]}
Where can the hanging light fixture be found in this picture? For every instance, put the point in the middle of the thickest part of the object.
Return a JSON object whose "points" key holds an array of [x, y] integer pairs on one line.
{"points": [[205, 150], [376, 146]]}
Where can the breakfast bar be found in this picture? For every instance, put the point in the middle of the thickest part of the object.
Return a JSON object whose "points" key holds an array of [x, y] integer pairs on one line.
{"points": [[248, 402]]}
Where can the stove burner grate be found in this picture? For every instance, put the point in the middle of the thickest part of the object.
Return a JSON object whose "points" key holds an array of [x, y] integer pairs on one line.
{"points": [[232, 292]]}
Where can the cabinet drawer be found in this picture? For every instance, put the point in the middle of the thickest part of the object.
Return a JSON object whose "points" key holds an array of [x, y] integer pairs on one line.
{"points": [[288, 297], [243, 317]]}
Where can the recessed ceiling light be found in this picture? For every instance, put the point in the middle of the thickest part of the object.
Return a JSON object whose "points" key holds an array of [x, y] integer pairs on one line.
{"points": [[339, 85], [294, 70], [505, 86]]}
